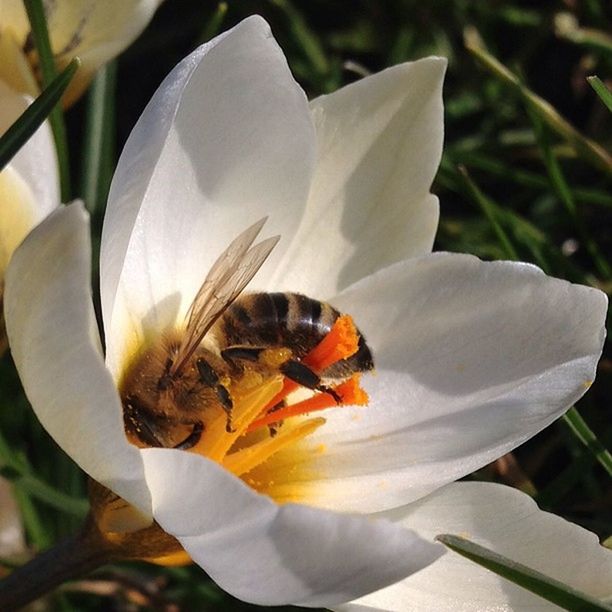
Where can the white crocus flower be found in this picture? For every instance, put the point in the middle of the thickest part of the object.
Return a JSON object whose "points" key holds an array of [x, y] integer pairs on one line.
{"points": [[472, 358], [94, 30], [29, 184]]}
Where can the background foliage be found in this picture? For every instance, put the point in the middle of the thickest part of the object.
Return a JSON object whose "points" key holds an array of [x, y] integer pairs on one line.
{"points": [[514, 183]]}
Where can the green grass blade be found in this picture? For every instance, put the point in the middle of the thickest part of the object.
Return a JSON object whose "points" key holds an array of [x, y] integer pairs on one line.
{"points": [[40, 490], [17, 470], [489, 211], [564, 193], [37, 531], [17, 135], [584, 433], [601, 90], [548, 588], [40, 35], [566, 26], [305, 36], [99, 145], [522, 177], [589, 150], [214, 24]]}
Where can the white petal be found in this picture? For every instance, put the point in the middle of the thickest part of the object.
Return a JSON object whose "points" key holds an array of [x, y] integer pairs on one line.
{"points": [[17, 215], [379, 145], [472, 359], [36, 161], [94, 31], [97, 30], [508, 522], [55, 344], [15, 70], [226, 140], [12, 541], [269, 554], [13, 17]]}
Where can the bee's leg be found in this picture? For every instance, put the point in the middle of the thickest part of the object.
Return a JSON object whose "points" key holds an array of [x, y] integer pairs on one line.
{"points": [[301, 374], [210, 378], [274, 427], [234, 354], [304, 376], [292, 369], [226, 402], [193, 438]]}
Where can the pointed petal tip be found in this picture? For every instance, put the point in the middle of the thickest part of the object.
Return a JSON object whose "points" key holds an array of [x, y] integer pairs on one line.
{"points": [[435, 63], [256, 23], [64, 220]]}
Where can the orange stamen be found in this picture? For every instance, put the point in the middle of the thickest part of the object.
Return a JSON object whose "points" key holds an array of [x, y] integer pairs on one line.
{"points": [[350, 393], [341, 342], [289, 386]]}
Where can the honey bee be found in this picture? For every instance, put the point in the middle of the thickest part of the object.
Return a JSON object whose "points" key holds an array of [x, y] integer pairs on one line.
{"points": [[172, 386]]}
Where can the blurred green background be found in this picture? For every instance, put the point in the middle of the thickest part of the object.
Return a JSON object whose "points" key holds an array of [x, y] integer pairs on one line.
{"points": [[514, 184]]}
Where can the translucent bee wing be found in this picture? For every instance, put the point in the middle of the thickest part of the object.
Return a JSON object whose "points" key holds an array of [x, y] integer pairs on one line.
{"points": [[228, 276]]}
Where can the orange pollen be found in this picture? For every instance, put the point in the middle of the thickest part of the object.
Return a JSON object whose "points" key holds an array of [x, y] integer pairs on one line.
{"points": [[341, 342], [348, 392]]}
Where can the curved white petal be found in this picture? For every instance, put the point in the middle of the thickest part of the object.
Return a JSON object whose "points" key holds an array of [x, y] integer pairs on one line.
{"points": [[17, 215], [508, 522], [79, 25], [472, 359], [36, 161], [13, 17], [100, 29], [14, 67], [92, 30], [54, 340], [269, 554], [379, 145], [226, 140]]}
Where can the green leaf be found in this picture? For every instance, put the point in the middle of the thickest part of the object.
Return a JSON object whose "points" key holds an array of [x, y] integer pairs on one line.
{"points": [[99, 143], [601, 90], [18, 134], [17, 470], [563, 191], [40, 490], [214, 24], [584, 433], [585, 147], [566, 26], [488, 209], [548, 588], [308, 40], [40, 35]]}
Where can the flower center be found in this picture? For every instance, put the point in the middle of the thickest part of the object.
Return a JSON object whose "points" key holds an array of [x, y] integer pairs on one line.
{"points": [[243, 416], [249, 417], [272, 416]]}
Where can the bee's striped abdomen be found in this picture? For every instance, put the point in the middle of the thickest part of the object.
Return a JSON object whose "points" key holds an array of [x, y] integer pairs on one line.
{"points": [[285, 320]]}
